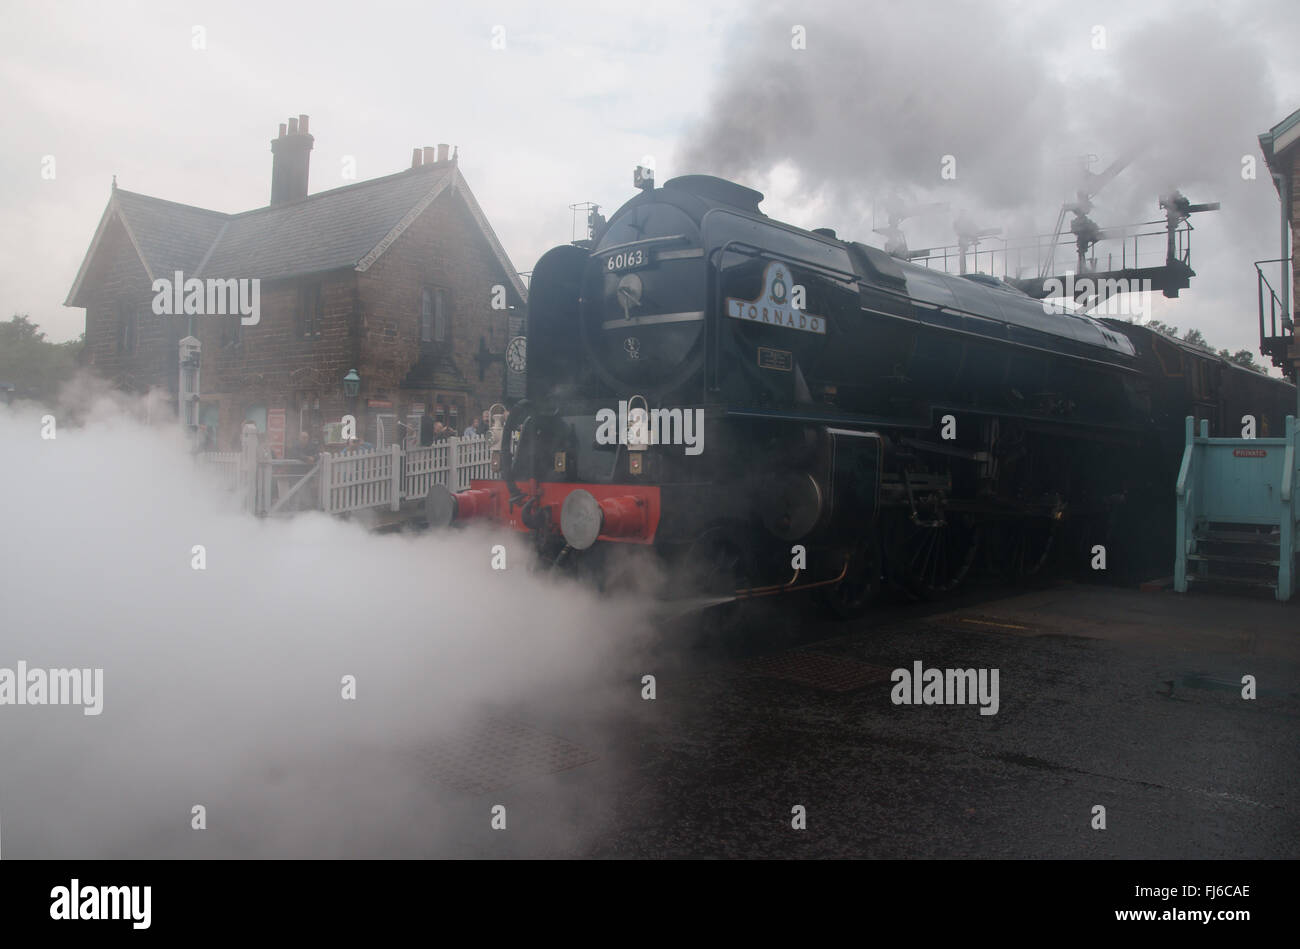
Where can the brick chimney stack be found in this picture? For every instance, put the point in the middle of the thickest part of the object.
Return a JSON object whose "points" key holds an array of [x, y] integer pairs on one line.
{"points": [[430, 155], [291, 156]]}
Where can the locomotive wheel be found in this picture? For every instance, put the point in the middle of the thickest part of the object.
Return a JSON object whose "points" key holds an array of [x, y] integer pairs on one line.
{"points": [[1019, 549], [928, 562], [716, 564], [851, 597]]}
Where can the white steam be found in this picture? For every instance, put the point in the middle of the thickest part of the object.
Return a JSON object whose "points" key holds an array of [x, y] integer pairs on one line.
{"points": [[222, 686]]}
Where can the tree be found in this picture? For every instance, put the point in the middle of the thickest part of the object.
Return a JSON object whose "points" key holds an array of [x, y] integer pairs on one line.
{"points": [[1196, 338], [1244, 357], [36, 367], [20, 330], [1163, 328]]}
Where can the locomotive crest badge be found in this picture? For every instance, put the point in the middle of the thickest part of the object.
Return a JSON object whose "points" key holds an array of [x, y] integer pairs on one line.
{"points": [[632, 346], [774, 306]]}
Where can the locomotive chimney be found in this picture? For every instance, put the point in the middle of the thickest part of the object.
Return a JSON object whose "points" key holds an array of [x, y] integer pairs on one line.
{"points": [[291, 157]]}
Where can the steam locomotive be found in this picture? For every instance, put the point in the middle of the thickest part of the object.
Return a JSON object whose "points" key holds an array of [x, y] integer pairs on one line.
{"points": [[769, 409]]}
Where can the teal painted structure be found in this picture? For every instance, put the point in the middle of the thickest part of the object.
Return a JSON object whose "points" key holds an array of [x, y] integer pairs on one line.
{"points": [[1238, 510]]}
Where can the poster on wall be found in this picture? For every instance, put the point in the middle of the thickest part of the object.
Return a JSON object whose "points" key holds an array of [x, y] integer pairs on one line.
{"points": [[275, 426]]}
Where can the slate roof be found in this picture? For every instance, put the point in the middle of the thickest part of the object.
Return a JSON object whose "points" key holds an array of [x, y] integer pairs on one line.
{"points": [[323, 231], [345, 227], [169, 236]]}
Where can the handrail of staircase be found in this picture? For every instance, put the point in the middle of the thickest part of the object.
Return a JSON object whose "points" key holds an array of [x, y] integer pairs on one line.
{"points": [[1275, 308], [1288, 460], [1184, 472]]}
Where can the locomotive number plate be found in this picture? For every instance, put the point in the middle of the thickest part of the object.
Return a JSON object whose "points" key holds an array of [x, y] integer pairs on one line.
{"points": [[775, 359], [628, 260]]}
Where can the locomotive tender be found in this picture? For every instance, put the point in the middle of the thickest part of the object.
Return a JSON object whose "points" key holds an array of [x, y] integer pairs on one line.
{"points": [[861, 418]]}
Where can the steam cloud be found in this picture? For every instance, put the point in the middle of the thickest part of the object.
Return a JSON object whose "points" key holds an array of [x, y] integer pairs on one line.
{"points": [[222, 687], [1016, 94]]}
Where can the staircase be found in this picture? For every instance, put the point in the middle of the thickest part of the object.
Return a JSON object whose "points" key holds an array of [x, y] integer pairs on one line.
{"points": [[1242, 555], [1238, 512]]}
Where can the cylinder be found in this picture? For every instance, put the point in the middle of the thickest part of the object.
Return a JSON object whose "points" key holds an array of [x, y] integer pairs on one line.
{"points": [[623, 517], [442, 508], [476, 502]]}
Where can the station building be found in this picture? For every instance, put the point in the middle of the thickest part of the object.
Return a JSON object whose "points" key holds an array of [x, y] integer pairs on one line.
{"points": [[389, 299], [1280, 279]]}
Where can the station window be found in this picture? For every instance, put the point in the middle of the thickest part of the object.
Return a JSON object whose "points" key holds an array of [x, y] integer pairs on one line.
{"points": [[232, 331], [433, 315], [128, 327], [310, 310]]}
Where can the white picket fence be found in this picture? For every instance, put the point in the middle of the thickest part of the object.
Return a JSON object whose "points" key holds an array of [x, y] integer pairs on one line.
{"points": [[224, 465], [352, 480], [470, 458]]}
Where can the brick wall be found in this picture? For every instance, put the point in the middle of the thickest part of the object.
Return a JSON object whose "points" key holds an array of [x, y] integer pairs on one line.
{"points": [[443, 248], [273, 364], [116, 280]]}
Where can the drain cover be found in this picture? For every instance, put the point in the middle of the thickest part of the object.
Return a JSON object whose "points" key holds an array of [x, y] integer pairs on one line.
{"points": [[496, 754], [828, 673]]}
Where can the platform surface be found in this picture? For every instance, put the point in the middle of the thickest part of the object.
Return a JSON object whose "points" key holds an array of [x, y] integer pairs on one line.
{"points": [[1114, 697]]}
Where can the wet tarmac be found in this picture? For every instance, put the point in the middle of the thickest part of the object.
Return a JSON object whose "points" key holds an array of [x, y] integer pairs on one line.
{"points": [[1115, 698]]}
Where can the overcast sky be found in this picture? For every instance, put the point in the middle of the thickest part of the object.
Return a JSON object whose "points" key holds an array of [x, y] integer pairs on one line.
{"points": [[582, 92]]}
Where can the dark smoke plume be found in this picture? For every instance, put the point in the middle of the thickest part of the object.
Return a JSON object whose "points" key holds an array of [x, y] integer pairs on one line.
{"points": [[1017, 95]]}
